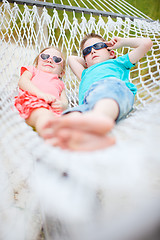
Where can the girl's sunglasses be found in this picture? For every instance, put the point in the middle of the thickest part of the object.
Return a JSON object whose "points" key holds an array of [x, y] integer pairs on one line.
{"points": [[56, 59], [96, 46]]}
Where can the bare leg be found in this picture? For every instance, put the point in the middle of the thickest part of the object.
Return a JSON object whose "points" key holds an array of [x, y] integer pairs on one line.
{"points": [[107, 108], [76, 131], [84, 132], [75, 140], [87, 122], [98, 121], [39, 118]]}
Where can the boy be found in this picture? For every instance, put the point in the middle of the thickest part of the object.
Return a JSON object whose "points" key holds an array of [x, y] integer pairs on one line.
{"points": [[105, 93]]}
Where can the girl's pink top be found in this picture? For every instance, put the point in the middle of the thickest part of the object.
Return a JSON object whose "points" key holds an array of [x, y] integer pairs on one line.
{"points": [[46, 82]]}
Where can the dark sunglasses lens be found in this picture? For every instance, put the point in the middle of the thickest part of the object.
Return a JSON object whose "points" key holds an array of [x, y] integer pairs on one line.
{"points": [[57, 59], [45, 56], [86, 51], [99, 45], [96, 46]]}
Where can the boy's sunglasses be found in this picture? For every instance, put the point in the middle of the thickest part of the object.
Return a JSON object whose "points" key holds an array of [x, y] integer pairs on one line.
{"points": [[96, 46], [55, 58]]}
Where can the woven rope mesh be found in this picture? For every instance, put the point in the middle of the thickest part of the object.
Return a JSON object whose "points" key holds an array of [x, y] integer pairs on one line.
{"points": [[24, 31]]}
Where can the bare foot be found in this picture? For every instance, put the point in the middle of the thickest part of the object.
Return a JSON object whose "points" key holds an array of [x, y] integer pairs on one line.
{"points": [[87, 122], [76, 140]]}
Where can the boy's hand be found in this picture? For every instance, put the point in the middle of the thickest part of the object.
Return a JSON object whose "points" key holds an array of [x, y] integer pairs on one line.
{"points": [[49, 98], [114, 43], [141, 46]]}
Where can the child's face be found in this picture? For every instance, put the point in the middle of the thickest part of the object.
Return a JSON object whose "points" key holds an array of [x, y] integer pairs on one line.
{"points": [[49, 65], [95, 56]]}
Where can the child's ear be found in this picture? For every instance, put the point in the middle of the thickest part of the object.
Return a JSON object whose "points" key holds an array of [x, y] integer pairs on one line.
{"points": [[86, 64], [62, 73], [112, 54]]}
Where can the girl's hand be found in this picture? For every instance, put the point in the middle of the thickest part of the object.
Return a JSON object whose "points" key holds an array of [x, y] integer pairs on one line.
{"points": [[49, 98], [114, 43], [58, 106]]}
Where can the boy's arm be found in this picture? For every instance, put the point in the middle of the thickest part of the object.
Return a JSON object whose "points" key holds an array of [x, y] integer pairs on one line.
{"points": [[141, 46], [77, 65]]}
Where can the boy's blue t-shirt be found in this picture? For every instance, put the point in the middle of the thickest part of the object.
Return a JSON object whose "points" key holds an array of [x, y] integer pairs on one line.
{"points": [[118, 68]]}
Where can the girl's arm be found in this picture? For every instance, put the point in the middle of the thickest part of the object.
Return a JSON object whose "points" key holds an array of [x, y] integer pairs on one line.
{"points": [[77, 65], [64, 100], [62, 103], [141, 46], [26, 84]]}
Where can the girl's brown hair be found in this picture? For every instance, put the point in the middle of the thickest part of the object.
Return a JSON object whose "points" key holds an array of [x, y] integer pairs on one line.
{"points": [[36, 59]]}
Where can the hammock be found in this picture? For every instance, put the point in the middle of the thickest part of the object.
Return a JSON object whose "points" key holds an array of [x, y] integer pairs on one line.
{"points": [[75, 196]]}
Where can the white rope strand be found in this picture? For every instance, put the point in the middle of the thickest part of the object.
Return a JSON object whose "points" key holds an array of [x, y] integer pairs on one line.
{"points": [[79, 194]]}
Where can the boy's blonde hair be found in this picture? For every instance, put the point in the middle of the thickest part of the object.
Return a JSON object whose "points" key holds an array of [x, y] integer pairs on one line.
{"points": [[88, 36], [36, 59]]}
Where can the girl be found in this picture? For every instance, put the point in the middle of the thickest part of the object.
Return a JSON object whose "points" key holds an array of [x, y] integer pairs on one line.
{"points": [[42, 93]]}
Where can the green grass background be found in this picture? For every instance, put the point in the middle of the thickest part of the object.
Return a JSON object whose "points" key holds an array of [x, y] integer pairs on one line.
{"points": [[150, 7]]}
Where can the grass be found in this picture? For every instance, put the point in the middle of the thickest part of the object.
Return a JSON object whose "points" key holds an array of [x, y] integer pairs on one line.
{"points": [[149, 7]]}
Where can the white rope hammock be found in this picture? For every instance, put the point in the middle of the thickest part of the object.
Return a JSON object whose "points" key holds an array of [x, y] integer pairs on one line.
{"points": [[97, 188]]}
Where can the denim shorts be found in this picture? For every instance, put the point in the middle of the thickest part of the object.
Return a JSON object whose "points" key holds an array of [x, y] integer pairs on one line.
{"points": [[111, 88]]}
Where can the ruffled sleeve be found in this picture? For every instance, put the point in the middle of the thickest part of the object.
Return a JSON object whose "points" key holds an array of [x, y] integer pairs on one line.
{"points": [[31, 69]]}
